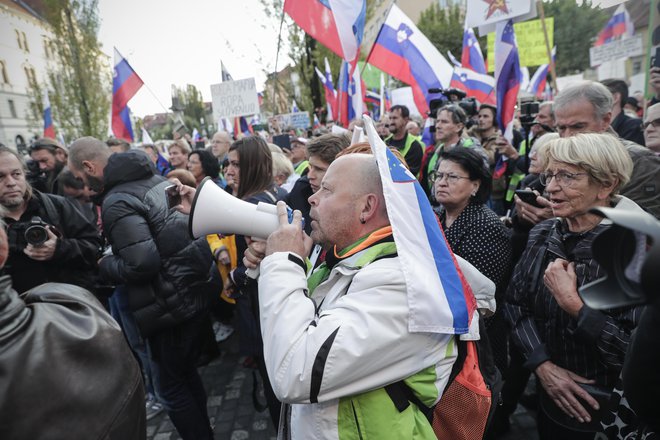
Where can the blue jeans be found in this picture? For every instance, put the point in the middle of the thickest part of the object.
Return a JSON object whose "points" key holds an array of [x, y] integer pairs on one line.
{"points": [[120, 310], [174, 352]]}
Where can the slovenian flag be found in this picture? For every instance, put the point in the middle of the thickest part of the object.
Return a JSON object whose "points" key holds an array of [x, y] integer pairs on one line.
{"points": [[403, 51], [620, 25], [125, 84], [330, 92], [49, 128], [439, 298], [336, 24], [471, 57]]}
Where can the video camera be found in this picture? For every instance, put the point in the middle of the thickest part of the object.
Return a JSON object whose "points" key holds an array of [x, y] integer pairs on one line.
{"points": [[35, 177], [33, 232], [629, 252], [528, 112], [452, 96]]}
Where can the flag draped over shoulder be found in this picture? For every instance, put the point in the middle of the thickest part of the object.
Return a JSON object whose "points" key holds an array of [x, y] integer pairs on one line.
{"points": [[439, 298], [337, 24], [403, 51], [125, 84], [49, 128]]}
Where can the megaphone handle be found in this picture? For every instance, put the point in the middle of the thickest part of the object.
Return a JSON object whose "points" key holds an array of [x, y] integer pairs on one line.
{"points": [[253, 273]]}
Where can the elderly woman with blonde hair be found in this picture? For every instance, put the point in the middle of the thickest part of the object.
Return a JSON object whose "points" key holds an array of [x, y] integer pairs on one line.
{"points": [[576, 352]]}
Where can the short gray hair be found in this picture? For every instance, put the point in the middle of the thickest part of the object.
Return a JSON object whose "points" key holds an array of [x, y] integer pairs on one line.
{"points": [[602, 155], [550, 104], [594, 92]]}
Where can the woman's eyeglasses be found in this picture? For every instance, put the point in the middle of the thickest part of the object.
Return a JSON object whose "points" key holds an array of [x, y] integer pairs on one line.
{"points": [[563, 178], [451, 178]]}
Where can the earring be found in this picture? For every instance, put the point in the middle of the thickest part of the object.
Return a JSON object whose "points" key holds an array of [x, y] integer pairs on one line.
{"points": [[363, 221], [474, 193]]}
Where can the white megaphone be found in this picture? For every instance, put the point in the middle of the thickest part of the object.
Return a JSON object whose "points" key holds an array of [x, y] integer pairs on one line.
{"points": [[214, 211]]}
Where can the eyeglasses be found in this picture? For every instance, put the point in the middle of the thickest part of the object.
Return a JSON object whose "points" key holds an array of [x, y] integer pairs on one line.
{"points": [[655, 123], [452, 179], [563, 178]]}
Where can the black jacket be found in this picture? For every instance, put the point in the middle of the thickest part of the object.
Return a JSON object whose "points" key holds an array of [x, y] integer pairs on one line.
{"points": [[629, 128], [67, 371], [77, 250], [169, 277]]}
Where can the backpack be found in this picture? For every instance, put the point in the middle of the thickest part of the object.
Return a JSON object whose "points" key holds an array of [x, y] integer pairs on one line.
{"points": [[468, 402]]}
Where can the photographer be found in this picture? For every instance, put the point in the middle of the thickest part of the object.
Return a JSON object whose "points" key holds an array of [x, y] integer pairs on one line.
{"points": [[50, 156], [49, 239]]}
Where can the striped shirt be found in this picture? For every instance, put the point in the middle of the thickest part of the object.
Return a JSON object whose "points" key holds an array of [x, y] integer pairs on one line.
{"points": [[594, 344]]}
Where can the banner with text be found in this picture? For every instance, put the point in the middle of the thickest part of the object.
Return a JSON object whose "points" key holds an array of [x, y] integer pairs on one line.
{"points": [[531, 43], [234, 98], [616, 50], [295, 120]]}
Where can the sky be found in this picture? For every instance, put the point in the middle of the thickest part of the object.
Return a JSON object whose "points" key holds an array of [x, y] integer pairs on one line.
{"points": [[176, 42]]}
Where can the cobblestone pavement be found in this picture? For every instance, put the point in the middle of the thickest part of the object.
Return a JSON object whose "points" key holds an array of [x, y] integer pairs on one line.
{"points": [[229, 388]]}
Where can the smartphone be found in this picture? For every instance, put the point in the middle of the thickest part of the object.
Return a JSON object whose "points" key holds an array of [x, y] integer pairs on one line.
{"points": [[528, 197], [656, 59], [173, 196]]}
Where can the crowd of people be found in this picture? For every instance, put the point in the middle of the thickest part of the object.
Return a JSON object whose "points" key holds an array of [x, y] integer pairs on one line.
{"points": [[326, 322]]}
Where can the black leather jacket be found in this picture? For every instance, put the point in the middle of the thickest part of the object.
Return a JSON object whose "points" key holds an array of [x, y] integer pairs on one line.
{"points": [[169, 277], [66, 370]]}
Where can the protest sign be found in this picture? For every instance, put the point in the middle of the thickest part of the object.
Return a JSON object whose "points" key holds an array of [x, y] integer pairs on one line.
{"points": [[531, 43], [295, 120], [616, 50], [234, 98]]}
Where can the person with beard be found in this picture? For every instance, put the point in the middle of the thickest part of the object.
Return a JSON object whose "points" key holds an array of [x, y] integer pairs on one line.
{"points": [[50, 240], [51, 156], [408, 145]]}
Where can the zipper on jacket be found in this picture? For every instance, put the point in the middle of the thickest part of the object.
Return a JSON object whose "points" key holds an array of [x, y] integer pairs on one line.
{"points": [[357, 423]]}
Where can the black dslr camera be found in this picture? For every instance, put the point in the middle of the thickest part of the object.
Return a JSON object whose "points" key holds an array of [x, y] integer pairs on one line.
{"points": [[528, 112], [35, 177], [34, 232], [452, 96]]}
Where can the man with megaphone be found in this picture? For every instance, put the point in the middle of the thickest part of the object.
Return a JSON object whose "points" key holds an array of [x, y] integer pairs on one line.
{"points": [[334, 338]]}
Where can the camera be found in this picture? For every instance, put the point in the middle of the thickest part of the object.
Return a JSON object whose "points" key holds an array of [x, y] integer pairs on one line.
{"points": [[33, 232], [528, 112], [629, 253], [35, 177], [452, 97]]}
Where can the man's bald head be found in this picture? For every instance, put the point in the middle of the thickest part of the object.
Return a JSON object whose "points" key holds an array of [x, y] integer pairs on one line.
{"points": [[88, 149]]}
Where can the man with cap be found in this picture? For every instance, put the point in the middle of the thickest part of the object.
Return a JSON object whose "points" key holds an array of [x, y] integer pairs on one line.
{"points": [[51, 157]]}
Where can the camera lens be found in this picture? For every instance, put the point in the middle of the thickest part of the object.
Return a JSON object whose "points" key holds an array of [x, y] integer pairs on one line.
{"points": [[36, 235]]}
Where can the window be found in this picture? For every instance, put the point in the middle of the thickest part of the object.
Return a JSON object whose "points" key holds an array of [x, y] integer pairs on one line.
{"points": [[46, 48], [30, 75], [12, 108], [25, 45], [19, 39], [3, 73]]}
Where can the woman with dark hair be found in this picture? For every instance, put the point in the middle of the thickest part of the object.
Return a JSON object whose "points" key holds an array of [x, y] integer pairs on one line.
{"points": [[202, 164], [251, 169], [462, 184]]}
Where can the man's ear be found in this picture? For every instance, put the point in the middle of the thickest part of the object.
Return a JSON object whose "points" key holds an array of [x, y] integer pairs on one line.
{"points": [[89, 167]]}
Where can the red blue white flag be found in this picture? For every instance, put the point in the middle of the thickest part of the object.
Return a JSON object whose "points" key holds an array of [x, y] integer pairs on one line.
{"points": [[49, 128], [403, 51], [439, 298], [337, 24], [507, 84], [125, 84], [330, 92], [538, 82], [471, 57], [476, 85], [619, 26], [507, 76]]}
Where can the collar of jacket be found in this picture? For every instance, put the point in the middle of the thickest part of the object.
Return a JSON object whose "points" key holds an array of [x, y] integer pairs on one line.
{"points": [[13, 312]]}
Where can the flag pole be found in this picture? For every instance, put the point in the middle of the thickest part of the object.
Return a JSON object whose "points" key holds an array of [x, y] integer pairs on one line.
{"points": [[539, 4]]}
